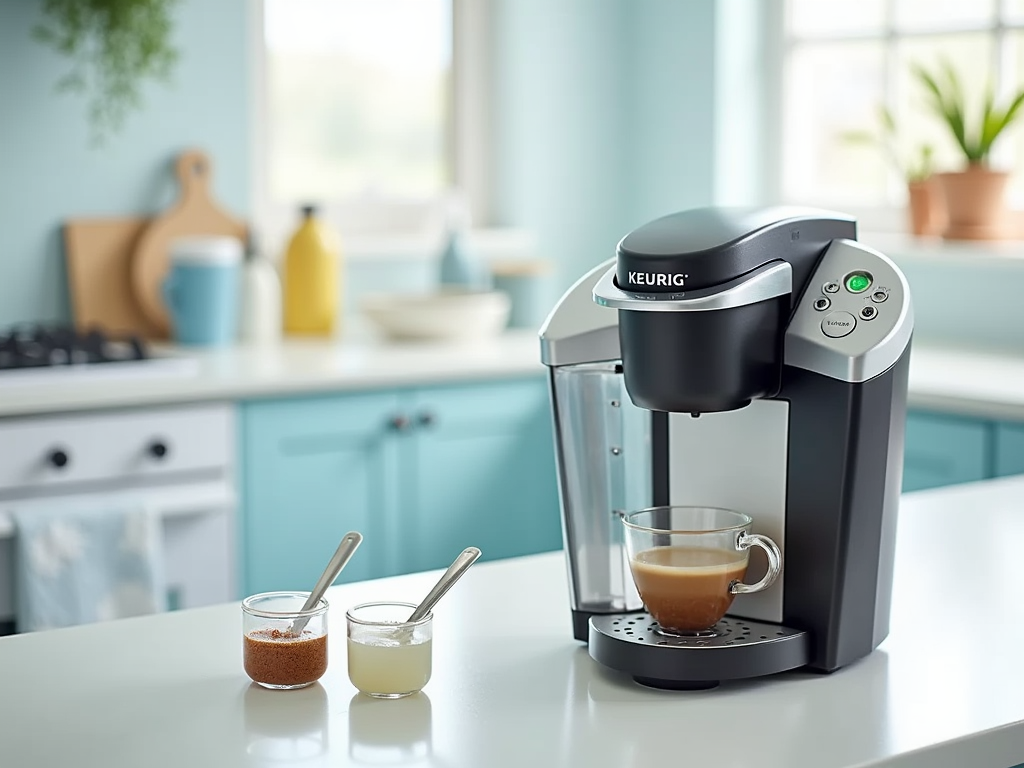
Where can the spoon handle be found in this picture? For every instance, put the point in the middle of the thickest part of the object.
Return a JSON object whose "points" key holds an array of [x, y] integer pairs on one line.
{"points": [[345, 550], [454, 572]]}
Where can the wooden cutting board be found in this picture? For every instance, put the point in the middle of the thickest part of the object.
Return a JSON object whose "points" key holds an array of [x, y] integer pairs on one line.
{"points": [[195, 213], [98, 255]]}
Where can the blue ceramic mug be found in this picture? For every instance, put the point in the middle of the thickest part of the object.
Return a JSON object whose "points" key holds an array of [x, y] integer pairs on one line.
{"points": [[201, 290]]}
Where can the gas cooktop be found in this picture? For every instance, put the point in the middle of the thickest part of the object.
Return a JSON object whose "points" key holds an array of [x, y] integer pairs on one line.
{"points": [[48, 353], [39, 346]]}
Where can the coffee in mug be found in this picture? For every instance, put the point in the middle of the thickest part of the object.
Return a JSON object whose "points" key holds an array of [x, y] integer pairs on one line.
{"points": [[688, 564]]}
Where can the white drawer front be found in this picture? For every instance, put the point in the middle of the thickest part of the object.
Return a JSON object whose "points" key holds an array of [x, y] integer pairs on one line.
{"points": [[123, 445]]}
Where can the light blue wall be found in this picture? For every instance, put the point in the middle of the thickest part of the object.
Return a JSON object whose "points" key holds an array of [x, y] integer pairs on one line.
{"points": [[604, 119], [49, 172], [670, 100], [559, 131]]}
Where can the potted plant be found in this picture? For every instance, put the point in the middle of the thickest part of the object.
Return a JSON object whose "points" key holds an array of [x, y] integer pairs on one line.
{"points": [[975, 195], [113, 45], [925, 204]]}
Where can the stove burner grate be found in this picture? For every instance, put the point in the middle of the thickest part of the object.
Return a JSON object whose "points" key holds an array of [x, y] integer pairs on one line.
{"points": [[45, 346]]}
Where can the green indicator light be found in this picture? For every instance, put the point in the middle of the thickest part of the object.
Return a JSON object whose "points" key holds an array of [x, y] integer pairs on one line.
{"points": [[857, 283]]}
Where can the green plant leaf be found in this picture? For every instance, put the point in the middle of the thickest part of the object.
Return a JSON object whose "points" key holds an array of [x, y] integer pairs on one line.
{"points": [[114, 46], [888, 122], [997, 121], [859, 137], [946, 99]]}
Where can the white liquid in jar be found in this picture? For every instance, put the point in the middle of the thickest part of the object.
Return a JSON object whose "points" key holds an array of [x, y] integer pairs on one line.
{"points": [[388, 669]]}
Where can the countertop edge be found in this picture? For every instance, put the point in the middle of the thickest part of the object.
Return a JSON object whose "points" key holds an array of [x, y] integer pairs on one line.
{"points": [[991, 748]]}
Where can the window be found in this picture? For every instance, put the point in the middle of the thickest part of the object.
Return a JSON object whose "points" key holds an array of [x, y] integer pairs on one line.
{"points": [[355, 111], [842, 61]]}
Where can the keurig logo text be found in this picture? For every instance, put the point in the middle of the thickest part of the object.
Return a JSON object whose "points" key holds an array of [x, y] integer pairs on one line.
{"points": [[655, 279]]}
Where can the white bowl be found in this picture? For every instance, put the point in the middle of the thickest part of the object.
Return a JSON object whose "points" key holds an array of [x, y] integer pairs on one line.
{"points": [[449, 314]]}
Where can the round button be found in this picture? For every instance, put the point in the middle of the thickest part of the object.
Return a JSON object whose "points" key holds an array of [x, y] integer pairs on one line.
{"points": [[831, 288], [879, 296], [822, 304], [869, 313], [858, 282], [838, 324]]}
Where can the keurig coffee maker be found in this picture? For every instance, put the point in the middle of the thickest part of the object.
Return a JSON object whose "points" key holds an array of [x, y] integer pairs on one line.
{"points": [[752, 359]]}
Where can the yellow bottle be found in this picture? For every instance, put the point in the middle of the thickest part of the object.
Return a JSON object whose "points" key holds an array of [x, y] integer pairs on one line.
{"points": [[311, 278]]}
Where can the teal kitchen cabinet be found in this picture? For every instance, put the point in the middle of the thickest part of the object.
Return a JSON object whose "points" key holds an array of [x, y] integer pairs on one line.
{"points": [[480, 467], [313, 469], [943, 450], [422, 473], [1009, 450]]}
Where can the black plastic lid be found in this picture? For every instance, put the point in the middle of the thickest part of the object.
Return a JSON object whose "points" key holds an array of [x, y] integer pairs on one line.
{"points": [[703, 247], [309, 209]]}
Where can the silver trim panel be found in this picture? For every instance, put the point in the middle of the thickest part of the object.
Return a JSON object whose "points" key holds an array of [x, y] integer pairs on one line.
{"points": [[706, 456], [873, 346], [577, 330], [766, 282]]}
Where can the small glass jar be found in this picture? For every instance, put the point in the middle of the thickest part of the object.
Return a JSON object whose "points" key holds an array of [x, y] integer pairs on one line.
{"points": [[388, 656], [282, 645]]}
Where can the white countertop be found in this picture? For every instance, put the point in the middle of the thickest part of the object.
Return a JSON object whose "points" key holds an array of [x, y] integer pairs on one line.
{"points": [[974, 382], [512, 688], [971, 382], [294, 367]]}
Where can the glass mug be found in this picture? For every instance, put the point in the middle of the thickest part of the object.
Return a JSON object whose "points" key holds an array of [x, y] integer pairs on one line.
{"points": [[689, 562]]}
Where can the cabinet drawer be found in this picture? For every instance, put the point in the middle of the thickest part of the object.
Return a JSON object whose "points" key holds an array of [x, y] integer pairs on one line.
{"points": [[122, 445], [943, 450]]}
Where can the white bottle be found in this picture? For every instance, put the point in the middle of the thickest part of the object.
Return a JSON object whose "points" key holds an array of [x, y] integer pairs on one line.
{"points": [[260, 321], [458, 265]]}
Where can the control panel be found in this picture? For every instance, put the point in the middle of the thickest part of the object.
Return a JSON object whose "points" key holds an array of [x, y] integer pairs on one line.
{"points": [[855, 318]]}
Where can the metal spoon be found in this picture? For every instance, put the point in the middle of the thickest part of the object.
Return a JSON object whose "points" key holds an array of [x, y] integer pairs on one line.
{"points": [[349, 542], [453, 574]]}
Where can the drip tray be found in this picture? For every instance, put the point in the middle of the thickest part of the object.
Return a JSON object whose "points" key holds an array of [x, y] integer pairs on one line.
{"points": [[740, 648]]}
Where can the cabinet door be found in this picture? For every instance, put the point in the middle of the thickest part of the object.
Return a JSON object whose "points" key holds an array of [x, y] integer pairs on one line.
{"points": [[315, 468], [943, 450], [1009, 459], [483, 473]]}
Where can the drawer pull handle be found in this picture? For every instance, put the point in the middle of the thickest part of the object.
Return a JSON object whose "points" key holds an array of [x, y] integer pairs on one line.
{"points": [[426, 419], [58, 458], [158, 449], [399, 423]]}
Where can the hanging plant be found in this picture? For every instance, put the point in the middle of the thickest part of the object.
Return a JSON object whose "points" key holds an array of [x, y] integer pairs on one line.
{"points": [[114, 46]]}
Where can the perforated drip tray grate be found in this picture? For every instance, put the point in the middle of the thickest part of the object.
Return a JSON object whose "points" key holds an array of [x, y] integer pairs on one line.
{"points": [[738, 648], [641, 628]]}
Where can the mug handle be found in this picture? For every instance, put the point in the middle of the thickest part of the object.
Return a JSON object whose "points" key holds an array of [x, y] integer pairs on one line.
{"points": [[746, 540]]}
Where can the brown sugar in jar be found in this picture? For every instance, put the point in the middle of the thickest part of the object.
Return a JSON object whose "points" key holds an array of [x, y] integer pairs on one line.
{"points": [[272, 657], [282, 645]]}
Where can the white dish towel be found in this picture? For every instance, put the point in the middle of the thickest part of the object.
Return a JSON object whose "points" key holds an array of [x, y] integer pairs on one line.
{"points": [[77, 566]]}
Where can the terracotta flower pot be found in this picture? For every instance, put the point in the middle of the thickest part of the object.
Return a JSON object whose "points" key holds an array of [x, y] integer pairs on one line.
{"points": [[975, 203], [927, 207]]}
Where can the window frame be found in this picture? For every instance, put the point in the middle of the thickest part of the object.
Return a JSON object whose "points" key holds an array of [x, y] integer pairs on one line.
{"points": [[890, 217], [403, 228]]}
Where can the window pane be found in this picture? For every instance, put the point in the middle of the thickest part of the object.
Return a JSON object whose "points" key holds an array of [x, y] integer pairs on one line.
{"points": [[1008, 151], [943, 14], [971, 56], [831, 90], [815, 17], [1013, 11], [357, 96]]}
